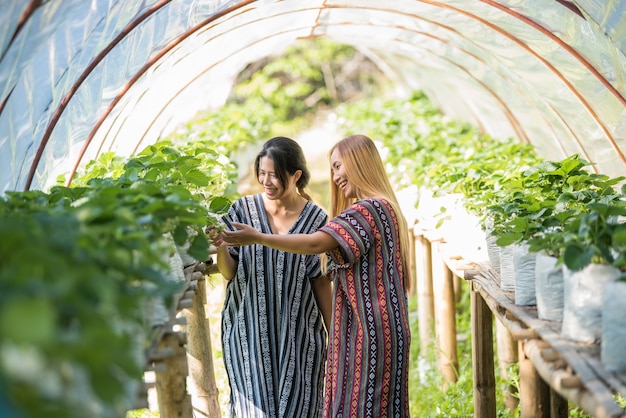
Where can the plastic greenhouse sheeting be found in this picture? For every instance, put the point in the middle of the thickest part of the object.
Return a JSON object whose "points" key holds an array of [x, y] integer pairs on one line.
{"points": [[78, 78]]}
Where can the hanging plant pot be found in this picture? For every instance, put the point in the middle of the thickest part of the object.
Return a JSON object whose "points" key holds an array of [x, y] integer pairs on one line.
{"points": [[582, 308], [548, 287], [613, 327], [524, 265], [507, 268]]}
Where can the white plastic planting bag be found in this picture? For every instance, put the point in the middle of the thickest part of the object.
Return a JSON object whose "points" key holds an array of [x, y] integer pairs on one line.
{"points": [[582, 309], [524, 265], [507, 268], [549, 288], [493, 249], [613, 327]]}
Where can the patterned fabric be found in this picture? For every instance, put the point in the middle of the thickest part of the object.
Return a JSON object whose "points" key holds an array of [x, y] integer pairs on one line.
{"points": [[273, 337], [368, 359]]}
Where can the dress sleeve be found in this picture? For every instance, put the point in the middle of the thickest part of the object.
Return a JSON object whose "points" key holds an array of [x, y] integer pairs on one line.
{"points": [[352, 229]]}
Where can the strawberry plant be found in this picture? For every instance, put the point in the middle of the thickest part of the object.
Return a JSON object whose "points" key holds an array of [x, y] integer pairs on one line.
{"points": [[597, 235], [79, 265], [537, 204]]}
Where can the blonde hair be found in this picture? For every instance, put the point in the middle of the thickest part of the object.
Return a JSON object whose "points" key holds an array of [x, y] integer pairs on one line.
{"points": [[366, 172]]}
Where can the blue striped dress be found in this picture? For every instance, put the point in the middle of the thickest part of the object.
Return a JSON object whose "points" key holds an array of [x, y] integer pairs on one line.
{"points": [[273, 336]]}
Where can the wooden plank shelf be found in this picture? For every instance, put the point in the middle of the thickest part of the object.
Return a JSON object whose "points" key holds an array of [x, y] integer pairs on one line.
{"points": [[567, 370], [573, 369]]}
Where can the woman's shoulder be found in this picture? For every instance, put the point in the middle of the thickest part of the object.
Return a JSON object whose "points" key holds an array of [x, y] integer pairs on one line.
{"points": [[375, 206], [313, 206], [315, 209], [243, 200], [244, 204], [372, 203]]}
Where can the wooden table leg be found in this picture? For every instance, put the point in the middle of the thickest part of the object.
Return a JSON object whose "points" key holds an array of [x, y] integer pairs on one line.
{"points": [[425, 303], [445, 318], [558, 405], [507, 356], [534, 392], [482, 357]]}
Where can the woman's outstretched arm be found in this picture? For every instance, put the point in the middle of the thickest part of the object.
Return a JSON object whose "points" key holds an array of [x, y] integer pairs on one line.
{"points": [[316, 243]]}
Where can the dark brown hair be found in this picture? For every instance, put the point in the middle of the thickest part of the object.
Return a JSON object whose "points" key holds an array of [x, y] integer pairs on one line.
{"points": [[288, 158]]}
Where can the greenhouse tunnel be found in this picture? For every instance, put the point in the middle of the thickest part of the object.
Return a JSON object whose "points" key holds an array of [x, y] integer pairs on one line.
{"points": [[85, 79], [79, 78]]}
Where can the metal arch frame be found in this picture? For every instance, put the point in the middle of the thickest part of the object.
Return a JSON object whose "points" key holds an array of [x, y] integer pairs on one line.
{"points": [[133, 80], [97, 59], [63, 103], [506, 111], [81, 78], [563, 45], [26, 14], [515, 123]]}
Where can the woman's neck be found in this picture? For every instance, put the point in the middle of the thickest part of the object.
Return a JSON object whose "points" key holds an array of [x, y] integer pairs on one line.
{"points": [[292, 202]]}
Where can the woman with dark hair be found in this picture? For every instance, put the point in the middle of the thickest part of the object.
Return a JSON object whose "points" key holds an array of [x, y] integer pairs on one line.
{"points": [[367, 245], [273, 335]]}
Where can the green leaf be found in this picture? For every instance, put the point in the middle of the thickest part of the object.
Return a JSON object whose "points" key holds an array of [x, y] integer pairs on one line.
{"points": [[29, 320], [508, 239], [180, 235], [619, 237], [199, 248], [197, 178], [576, 258], [219, 204]]}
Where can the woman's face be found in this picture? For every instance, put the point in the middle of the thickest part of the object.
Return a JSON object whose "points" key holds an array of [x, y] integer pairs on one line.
{"points": [[271, 185], [339, 175]]}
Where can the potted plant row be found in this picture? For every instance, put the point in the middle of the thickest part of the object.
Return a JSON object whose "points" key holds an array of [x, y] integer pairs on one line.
{"points": [[574, 222]]}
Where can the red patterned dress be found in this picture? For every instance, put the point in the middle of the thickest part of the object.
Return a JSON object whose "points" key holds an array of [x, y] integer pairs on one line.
{"points": [[368, 354]]}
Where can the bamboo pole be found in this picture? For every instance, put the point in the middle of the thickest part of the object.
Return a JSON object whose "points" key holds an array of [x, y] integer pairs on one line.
{"points": [[202, 386], [558, 405], [424, 281], [456, 287], [482, 357], [534, 392], [445, 317], [507, 356], [413, 263], [174, 401]]}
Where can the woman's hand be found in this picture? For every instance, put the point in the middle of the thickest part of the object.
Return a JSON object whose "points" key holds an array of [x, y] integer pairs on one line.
{"points": [[243, 235], [214, 234]]}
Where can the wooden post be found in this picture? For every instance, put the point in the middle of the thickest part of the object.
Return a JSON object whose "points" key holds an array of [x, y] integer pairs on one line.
{"points": [[413, 263], [558, 405], [424, 281], [482, 357], [174, 401], [507, 355], [202, 386], [456, 286], [534, 392], [445, 317]]}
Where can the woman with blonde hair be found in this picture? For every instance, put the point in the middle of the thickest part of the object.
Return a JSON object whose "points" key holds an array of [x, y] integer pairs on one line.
{"points": [[367, 248]]}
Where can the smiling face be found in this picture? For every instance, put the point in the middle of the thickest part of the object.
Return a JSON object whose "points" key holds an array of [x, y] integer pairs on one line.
{"points": [[339, 175], [271, 183]]}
